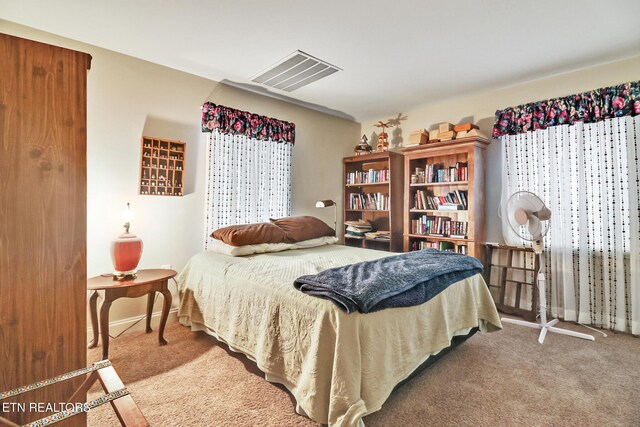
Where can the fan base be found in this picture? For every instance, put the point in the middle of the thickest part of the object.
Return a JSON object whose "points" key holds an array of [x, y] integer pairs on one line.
{"points": [[547, 327]]}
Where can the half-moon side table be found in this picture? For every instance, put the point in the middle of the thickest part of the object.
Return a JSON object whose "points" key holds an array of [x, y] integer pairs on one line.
{"points": [[147, 282]]}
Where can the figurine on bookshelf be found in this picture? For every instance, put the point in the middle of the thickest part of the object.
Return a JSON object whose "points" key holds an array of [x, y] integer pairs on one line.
{"points": [[363, 147], [383, 142]]}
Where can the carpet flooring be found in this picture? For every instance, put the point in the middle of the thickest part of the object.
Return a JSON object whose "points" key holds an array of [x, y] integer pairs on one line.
{"points": [[500, 379]]}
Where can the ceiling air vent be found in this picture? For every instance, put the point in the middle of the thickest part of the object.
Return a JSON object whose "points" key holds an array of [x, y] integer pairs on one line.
{"points": [[296, 70]]}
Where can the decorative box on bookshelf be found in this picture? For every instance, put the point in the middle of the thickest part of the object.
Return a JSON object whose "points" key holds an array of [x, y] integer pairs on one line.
{"points": [[162, 167], [373, 196], [444, 196]]}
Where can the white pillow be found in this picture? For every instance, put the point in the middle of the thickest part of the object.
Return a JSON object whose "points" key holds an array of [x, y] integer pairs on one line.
{"points": [[223, 248], [311, 243]]}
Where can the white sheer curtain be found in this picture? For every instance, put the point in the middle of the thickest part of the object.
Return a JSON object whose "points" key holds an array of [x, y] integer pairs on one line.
{"points": [[588, 175], [248, 180]]}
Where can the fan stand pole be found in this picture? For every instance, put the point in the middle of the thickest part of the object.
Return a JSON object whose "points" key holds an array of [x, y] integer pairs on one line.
{"points": [[544, 325]]}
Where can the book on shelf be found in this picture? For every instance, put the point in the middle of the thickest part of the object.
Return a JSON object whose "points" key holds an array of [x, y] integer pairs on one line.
{"points": [[354, 236], [368, 177], [438, 172], [442, 246], [450, 207], [369, 201], [358, 229], [454, 200], [447, 246], [438, 226], [418, 176], [360, 223], [379, 235]]}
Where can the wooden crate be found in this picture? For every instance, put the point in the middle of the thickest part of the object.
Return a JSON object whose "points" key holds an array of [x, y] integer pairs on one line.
{"points": [[444, 127], [419, 137], [462, 127], [447, 136]]}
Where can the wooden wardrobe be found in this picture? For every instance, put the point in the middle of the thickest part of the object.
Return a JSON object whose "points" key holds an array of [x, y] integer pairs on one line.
{"points": [[42, 219]]}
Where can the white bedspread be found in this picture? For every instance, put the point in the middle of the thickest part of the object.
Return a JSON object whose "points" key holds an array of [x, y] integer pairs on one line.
{"points": [[338, 366]]}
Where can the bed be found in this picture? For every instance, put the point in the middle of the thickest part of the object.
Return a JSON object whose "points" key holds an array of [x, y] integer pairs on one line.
{"points": [[339, 367]]}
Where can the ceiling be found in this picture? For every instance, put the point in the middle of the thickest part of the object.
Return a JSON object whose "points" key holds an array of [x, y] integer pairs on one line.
{"points": [[395, 55]]}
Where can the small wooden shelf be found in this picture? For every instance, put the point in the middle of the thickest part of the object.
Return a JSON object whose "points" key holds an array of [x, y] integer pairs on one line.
{"points": [[511, 275], [162, 167]]}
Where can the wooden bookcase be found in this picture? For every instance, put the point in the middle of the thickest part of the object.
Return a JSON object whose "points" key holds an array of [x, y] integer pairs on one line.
{"points": [[469, 153], [162, 167], [383, 218]]}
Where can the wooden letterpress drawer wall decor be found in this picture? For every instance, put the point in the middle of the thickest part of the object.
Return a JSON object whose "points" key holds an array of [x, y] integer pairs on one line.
{"points": [[162, 167]]}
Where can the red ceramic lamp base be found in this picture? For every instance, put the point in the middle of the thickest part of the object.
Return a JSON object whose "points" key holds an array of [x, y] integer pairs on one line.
{"points": [[126, 252]]}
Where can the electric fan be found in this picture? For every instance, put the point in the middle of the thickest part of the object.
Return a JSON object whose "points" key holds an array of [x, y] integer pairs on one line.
{"points": [[529, 219]]}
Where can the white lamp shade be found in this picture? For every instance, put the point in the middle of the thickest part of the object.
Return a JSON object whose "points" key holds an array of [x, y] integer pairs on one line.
{"points": [[325, 203]]}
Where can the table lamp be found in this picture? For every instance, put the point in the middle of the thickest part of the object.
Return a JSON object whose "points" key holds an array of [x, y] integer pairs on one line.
{"points": [[126, 250], [326, 204]]}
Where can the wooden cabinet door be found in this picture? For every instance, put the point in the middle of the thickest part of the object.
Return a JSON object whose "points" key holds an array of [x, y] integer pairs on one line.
{"points": [[42, 219]]}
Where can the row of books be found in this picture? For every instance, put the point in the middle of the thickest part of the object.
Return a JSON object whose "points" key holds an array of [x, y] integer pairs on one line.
{"points": [[443, 246], [378, 235], [454, 200], [369, 201], [368, 177], [439, 226], [438, 172]]}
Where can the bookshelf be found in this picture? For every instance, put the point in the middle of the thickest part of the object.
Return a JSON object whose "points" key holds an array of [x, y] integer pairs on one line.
{"points": [[373, 191], [444, 204], [162, 167]]}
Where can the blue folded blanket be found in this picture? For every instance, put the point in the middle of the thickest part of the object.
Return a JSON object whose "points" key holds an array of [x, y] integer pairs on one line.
{"points": [[397, 281]]}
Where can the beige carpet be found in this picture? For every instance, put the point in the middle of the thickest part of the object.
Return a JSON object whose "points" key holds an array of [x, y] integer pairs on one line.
{"points": [[500, 379]]}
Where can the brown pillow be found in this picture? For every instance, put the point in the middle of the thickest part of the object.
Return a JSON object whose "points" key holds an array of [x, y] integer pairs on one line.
{"points": [[250, 234], [301, 228]]}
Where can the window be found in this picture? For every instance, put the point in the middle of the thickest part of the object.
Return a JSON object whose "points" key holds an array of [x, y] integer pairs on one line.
{"points": [[248, 180], [588, 175]]}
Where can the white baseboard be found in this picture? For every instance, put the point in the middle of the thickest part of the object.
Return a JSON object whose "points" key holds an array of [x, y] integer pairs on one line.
{"points": [[120, 325]]}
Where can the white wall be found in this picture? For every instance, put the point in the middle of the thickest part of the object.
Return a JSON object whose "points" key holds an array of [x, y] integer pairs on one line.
{"points": [[129, 98], [480, 109]]}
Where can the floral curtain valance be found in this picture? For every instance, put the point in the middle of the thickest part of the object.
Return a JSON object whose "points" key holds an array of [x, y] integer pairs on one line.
{"points": [[587, 107], [236, 122]]}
